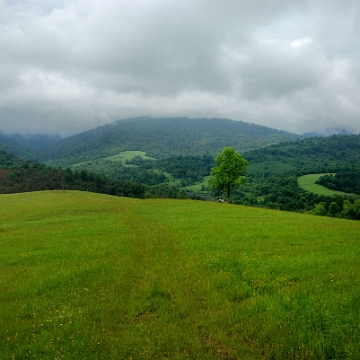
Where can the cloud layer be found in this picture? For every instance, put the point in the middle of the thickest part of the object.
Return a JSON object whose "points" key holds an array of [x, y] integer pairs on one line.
{"points": [[67, 66]]}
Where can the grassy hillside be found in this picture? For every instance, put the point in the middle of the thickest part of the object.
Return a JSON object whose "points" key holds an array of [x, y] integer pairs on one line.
{"points": [[307, 182], [89, 276], [314, 155]]}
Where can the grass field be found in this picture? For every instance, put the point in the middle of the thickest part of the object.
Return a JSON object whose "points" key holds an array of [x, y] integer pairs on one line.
{"points": [[198, 186], [128, 155], [120, 157], [88, 276], [307, 182]]}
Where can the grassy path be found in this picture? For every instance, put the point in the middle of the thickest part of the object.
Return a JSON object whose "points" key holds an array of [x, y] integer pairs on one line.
{"points": [[173, 292]]}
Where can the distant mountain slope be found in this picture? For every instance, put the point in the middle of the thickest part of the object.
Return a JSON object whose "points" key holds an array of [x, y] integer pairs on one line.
{"points": [[35, 141], [13, 147], [315, 155], [168, 137]]}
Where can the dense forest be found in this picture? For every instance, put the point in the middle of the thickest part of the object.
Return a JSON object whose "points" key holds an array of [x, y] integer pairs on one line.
{"points": [[163, 138], [313, 155], [346, 179], [283, 192], [10, 145], [34, 141], [18, 175]]}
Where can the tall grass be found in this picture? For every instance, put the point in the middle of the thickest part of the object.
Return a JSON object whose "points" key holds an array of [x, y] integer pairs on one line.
{"points": [[88, 276]]}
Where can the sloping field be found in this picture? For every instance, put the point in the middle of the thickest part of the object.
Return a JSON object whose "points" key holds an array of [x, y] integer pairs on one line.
{"points": [[307, 182], [88, 276]]}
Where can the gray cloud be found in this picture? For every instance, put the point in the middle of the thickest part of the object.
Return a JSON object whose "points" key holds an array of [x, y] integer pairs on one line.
{"points": [[71, 65]]}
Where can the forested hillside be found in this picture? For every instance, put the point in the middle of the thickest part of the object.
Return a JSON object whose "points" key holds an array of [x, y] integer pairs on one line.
{"points": [[313, 155], [35, 141], [346, 179], [164, 138], [13, 147], [274, 170], [18, 175], [273, 173]]}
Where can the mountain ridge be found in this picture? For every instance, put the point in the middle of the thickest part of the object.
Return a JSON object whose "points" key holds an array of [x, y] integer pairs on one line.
{"points": [[166, 137]]}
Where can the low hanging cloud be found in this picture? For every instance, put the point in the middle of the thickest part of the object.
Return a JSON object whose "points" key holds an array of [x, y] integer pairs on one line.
{"points": [[71, 65]]}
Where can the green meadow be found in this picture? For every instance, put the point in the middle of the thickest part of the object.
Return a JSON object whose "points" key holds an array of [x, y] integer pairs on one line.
{"points": [[121, 157], [199, 185], [89, 276], [307, 182], [128, 155]]}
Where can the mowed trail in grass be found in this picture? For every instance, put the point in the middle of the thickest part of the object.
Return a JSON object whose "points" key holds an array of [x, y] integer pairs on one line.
{"points": [[88, 276]]}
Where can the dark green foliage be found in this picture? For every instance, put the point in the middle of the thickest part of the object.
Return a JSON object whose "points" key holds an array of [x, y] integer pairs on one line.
{"points": [[279, 192], [17, 175], [35, 141], [187, 168], [138, 161], [351, 210], [229, 174], [314, 155], [337, 206], [166, 191], [283, 193], [11, 146], [162, 138], [346, 180], [118, 171], [8, 161], [21, 176]]}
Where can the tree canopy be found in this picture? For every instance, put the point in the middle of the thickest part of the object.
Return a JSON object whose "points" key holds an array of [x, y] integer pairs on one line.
{"points": [[230, 172]]}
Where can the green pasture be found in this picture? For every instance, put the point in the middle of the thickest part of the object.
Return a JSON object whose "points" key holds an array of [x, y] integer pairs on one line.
{"points": [[198, 186], [307, 182], [89, 276], [171, 180], [120, 157], [128, 155]]}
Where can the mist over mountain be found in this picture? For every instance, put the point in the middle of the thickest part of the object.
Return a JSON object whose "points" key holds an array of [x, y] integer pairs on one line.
{"points": [[72, 65], [35, 141], [337, 130], [12, 146]]}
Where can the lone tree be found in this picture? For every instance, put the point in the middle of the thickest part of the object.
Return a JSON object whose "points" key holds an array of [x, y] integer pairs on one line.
{"points": [[230, 172]]}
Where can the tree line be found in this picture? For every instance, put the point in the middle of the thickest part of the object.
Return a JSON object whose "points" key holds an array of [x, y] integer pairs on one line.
{"points": [[346, 179], [18, 175], [267, 186]]}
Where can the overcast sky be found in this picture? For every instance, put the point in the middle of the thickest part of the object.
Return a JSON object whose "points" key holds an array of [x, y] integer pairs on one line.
{"points": [[70, 65]]}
